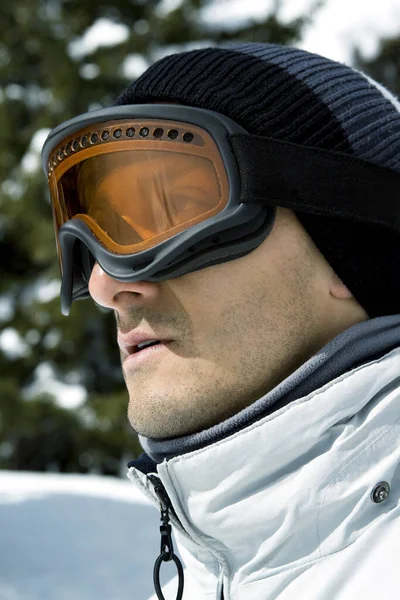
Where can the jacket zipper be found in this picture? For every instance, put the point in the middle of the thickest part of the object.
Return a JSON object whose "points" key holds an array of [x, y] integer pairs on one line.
{"points": [[166, 548], [162, 495]]}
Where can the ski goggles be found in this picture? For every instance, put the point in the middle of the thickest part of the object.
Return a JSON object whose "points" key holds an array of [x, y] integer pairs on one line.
{"points": [[149, 192], [154, 191]]}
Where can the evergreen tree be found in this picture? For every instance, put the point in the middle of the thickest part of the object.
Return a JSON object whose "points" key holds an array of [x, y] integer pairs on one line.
{"points": [[385, 66], [47, 76]]}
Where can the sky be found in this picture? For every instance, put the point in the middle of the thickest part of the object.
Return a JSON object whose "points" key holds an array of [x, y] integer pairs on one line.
{"points": [[337, 27]]}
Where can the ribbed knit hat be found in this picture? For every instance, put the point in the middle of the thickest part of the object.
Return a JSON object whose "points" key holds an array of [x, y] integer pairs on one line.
{"points": [[295, 96]]}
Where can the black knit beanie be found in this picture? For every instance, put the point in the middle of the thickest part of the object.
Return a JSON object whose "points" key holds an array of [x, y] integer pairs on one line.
{"points": [[292, 95]]}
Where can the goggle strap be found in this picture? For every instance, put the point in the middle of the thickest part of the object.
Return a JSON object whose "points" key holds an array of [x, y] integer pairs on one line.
{"points": [[317, 181]]}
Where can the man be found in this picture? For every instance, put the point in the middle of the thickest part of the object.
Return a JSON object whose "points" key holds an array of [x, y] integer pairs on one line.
{"points": [[238, 210]]}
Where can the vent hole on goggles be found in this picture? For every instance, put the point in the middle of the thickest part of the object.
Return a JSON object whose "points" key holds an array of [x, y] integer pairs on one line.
{"points": [[172, 134], [188, 137]]}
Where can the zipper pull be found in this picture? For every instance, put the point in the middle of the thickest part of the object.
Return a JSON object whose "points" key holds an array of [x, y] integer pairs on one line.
{"points": [[166, 548]]}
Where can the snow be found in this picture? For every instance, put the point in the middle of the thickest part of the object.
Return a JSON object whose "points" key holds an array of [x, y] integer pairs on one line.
{"points": [[80, 537], [336, 28], [12, 343], [31, 161], [103, 33], [66, 395]]}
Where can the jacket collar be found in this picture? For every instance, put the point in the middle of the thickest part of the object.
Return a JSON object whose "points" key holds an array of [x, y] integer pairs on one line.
{"points": [[357, 345], [297, 484]]}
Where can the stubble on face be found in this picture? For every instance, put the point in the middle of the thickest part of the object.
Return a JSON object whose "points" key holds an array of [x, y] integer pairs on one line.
{"points": [[239, 329]]}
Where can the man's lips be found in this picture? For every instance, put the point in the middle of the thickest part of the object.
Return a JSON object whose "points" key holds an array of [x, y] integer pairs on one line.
{"points": [[128, 342]]}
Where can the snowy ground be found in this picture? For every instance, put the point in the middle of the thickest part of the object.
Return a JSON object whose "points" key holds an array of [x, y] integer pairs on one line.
{"points": [[76, 537]]}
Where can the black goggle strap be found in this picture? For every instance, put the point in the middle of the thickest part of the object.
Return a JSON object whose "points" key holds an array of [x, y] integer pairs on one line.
{"points": [[316, 181]]}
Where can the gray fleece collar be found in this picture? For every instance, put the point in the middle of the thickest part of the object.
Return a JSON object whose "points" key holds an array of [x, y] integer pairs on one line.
{"points": [[357, 345]]}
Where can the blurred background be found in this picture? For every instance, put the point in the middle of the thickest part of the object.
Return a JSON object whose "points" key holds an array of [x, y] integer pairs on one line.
{"points": [[63, 401], [71, 524]]}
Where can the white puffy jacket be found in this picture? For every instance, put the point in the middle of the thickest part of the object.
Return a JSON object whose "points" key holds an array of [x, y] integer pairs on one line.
{"points": [[301, 505]]}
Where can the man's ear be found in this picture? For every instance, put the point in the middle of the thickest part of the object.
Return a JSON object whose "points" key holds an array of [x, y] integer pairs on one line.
{"points": [[338, 289]]}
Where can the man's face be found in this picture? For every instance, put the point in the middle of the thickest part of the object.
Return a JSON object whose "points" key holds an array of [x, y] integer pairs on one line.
{"points": [[237, 330]]}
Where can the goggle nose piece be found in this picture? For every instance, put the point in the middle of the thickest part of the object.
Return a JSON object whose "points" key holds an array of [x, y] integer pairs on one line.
{"points": [[77, 266], [87, 262], [66, 288]]}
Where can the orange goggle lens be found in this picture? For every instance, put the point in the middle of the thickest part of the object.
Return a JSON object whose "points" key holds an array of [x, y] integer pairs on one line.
{"points": [[137, 183]]}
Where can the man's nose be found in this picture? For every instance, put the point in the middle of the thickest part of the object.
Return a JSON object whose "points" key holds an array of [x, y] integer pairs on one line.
{"points": [[120, 295]]}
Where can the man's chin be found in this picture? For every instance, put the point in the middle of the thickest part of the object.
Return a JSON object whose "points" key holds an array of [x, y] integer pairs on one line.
{"points": [[159, 416]]}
